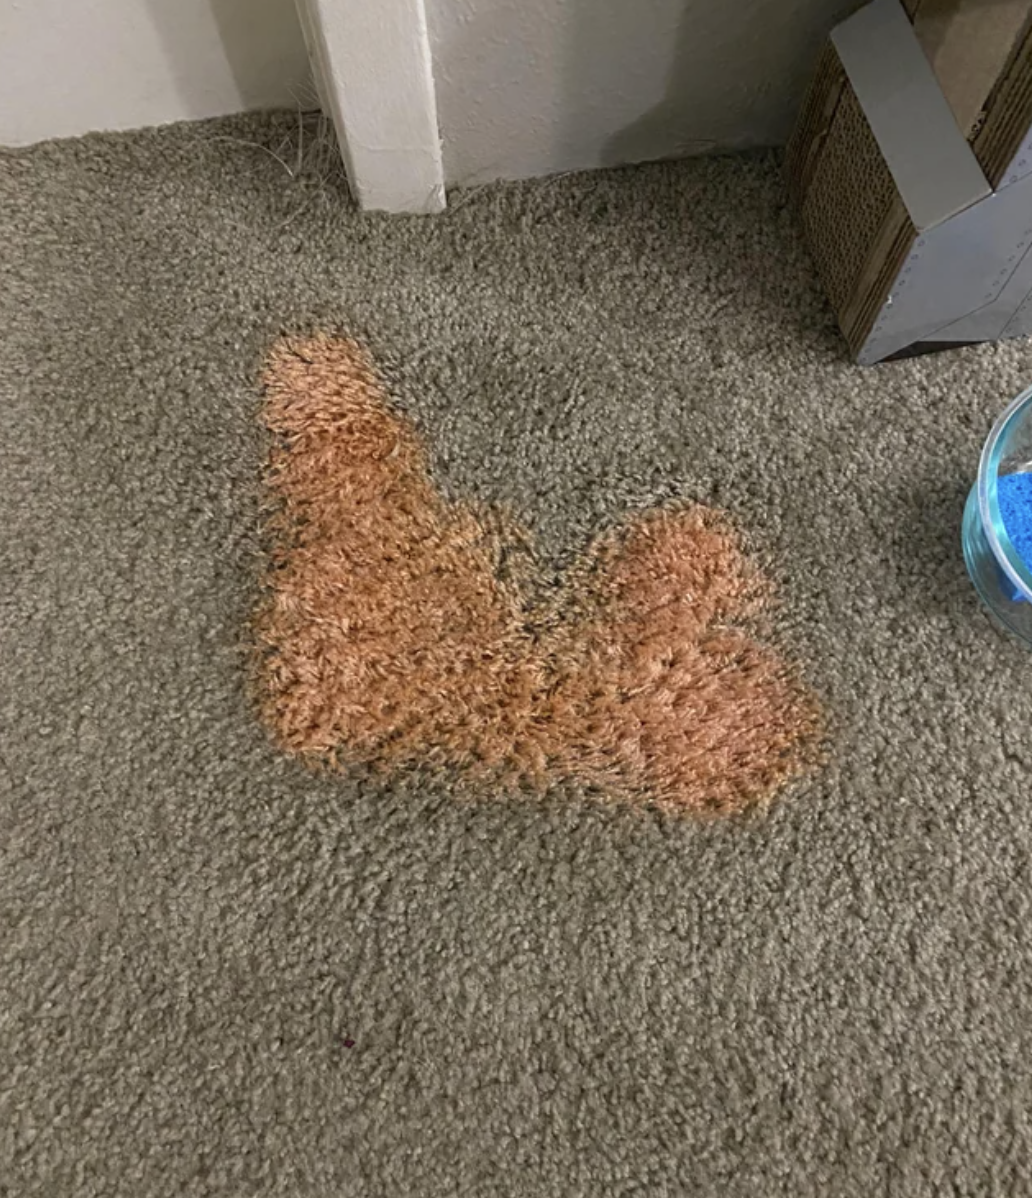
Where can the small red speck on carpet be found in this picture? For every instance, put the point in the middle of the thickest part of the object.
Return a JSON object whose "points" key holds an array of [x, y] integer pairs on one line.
{"points": [[349, 1044]]}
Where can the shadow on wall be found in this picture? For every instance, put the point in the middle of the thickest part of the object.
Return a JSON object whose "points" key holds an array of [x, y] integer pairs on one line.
{"points": [[723, 76], [233, 55], [265, 50], [533, 87]]}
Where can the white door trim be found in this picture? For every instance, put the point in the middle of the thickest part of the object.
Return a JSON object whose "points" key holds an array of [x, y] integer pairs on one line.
{"points": [[372, 66]]}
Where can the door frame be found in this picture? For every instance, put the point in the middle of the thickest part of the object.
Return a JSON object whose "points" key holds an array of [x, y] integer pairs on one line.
{"points": [[373, 71]]}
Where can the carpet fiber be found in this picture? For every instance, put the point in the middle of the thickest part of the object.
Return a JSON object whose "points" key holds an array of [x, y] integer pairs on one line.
{"points": [[224, 975]]}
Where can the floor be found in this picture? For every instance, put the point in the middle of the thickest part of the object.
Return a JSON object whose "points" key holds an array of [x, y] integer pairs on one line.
{"points": [[221, 974]]}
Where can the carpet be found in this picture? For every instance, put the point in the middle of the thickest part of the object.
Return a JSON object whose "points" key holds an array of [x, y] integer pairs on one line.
{"points": [[223, 974]]}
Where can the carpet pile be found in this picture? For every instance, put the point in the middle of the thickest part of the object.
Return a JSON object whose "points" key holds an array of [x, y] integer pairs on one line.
{"points": [[222, 974]]}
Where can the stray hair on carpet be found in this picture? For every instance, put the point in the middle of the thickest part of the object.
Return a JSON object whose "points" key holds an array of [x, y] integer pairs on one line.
{"points": [[400, 629]]}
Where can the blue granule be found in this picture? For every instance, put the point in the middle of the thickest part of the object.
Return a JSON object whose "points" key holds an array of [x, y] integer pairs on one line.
{"points": [[1014, 492]]}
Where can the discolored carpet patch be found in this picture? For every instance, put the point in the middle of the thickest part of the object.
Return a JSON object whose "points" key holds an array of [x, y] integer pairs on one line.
{"points": [[403, 629]]}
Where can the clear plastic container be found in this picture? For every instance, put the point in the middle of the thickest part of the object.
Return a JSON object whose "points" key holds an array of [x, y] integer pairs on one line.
{"points": [[1001, 578]]}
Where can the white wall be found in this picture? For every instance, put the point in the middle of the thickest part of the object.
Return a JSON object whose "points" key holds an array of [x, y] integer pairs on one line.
{"points": [[530, 87], [71, 66]]}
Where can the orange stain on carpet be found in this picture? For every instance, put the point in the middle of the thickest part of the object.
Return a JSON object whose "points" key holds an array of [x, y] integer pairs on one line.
{"points": [[400, 629]]}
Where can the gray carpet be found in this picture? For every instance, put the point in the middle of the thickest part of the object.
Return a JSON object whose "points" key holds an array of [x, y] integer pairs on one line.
{"points": [[222, 975]]}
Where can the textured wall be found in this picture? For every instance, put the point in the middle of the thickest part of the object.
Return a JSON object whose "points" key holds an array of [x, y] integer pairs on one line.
{"points": [[67, 68], [539, 86]]}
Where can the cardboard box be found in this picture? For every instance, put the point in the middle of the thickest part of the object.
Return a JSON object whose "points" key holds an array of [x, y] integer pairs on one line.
{"points": [[902, 166], [973, 47]]}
